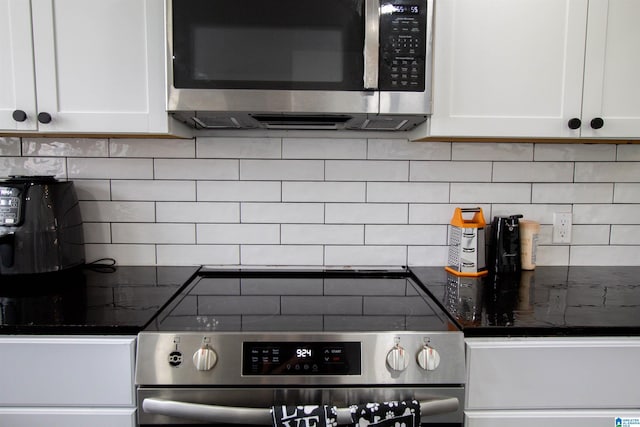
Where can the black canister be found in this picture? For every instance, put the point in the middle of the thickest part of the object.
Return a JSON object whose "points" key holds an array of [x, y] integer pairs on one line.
{"points": [[40, 226], [504, 246]]}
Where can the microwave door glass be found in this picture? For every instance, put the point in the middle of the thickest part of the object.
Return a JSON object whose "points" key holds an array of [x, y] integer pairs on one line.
{"points": [[268, 44]]}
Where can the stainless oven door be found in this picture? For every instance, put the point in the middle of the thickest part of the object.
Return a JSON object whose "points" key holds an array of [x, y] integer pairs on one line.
{"points": [[251, 406]]}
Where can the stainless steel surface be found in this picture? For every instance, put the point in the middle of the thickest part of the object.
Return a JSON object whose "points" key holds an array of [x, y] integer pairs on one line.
{"points": [[371, 43], [155, 348], [244, 415], [250, 405], [370, 109]]}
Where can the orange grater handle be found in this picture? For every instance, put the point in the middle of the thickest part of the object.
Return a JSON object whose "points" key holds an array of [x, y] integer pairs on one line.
{"points": [[477, 221]]}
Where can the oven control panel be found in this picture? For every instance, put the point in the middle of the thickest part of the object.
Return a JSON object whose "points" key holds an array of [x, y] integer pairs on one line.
{"points": [[201, 358], [301, 358]]}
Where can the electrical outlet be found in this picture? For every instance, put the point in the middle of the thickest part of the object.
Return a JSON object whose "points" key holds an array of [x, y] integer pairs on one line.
{"points": [[562, 227]]}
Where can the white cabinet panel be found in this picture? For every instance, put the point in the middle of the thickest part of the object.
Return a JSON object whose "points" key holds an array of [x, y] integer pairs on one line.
{"points": [[612, 69], [553, 373], [52, 417], [507, 67], [17, 84], [83, 371], [525, 68], [94, 66]]}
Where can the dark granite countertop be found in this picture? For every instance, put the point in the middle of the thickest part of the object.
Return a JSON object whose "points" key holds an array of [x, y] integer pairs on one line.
{"points": [[548, 301], [87, 300]]}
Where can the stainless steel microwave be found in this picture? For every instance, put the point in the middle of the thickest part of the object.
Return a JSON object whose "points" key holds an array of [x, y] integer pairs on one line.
{"points": [[300, 64]]}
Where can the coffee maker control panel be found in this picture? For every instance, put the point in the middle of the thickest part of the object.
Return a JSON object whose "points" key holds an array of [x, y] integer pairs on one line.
{"points": [[10, 206]]}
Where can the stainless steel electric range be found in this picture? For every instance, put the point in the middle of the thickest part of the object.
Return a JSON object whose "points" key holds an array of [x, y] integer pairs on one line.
{"points": [[234, 343]]}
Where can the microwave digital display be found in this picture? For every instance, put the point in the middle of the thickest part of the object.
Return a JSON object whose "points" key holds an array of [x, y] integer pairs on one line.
{"points": [[405, 9]]}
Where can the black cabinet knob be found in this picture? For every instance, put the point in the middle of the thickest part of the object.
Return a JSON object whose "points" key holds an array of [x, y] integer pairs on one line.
{"points": [[574, 123], [44, 118], [597, 123], [19, 116]]}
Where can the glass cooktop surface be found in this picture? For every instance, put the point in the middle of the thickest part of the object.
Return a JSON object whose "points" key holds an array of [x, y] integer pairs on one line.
{"points": [[302, 301]]}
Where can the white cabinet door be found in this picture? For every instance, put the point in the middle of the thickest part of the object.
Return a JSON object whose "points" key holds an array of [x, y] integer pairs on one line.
{"points": [[100, 65], [17, 84], [67, 371], [552, 373], [509, 68], [612, 69]]}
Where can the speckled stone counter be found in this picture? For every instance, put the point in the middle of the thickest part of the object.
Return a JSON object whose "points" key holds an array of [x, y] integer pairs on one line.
{"points": [[548, 301], [97, 300]]}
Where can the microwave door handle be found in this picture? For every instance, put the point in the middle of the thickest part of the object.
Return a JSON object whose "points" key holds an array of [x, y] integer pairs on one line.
{"points": [[262, 416], [371, 44]]}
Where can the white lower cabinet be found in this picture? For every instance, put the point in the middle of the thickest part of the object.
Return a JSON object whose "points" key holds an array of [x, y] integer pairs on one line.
{"points": [[67, 381], [552, 381]]}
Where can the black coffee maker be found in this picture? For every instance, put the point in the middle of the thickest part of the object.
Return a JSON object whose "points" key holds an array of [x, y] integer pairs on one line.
{"points": [[504, 245], [40, 226]]}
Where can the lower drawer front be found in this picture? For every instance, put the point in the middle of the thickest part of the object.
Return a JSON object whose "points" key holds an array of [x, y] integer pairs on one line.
{"points": [[551, 418], [61, 417], [522, 373]]}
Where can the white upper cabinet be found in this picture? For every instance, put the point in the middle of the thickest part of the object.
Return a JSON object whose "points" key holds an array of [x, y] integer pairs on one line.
{"points": [[83, 66], [526, 68]]}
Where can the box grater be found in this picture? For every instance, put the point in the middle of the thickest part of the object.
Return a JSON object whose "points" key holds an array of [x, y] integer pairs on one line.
{"points": [[467, 243]]}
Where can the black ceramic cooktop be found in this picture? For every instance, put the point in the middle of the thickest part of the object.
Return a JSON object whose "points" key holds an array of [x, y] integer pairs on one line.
{"points": [[303, 301], [87, 300], [548, 301]]}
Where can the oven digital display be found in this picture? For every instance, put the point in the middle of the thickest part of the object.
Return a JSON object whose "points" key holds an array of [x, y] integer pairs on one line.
{"points": [[301, 358]]}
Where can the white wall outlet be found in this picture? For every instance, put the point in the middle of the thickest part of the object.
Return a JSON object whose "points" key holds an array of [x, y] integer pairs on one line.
{"points": [[562, 227]]}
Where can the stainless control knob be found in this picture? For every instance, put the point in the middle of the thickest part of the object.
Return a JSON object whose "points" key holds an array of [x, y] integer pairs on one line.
{"points": [[205, 358], [428, 358], [397, 358]]}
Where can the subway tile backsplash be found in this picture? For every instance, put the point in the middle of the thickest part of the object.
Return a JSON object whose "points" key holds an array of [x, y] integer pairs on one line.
{"points": [[326, 201]]}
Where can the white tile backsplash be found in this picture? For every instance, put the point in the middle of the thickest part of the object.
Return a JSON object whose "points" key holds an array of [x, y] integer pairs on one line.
{"points": [[402, 149], [113, 168], [9, 146], [492, 151], [295, 200], [301, 213], [153, 233], [153, 190], [450, 171], [285, 170], [152, 147], [65, 147], [407, 192], [33, 166], [322, 234], [490, 193], [533, 172], [300, 191], [572, 193], [198, 212], [239, 148], [252, 191], [367, 170], [366, 213], [575, 152], [211, 169], [239, 233], [324, 148]]}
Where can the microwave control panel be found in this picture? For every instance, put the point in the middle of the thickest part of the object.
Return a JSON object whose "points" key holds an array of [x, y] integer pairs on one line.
{"points": [[10, 206], [403, 46]]}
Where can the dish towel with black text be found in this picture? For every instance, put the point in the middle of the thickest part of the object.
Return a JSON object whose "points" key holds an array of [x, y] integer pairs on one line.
{"points": [[398, 414], [304, 416]]}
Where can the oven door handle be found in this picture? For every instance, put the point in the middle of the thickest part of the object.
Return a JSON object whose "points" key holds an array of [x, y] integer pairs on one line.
{"points": [[258, 416]]}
